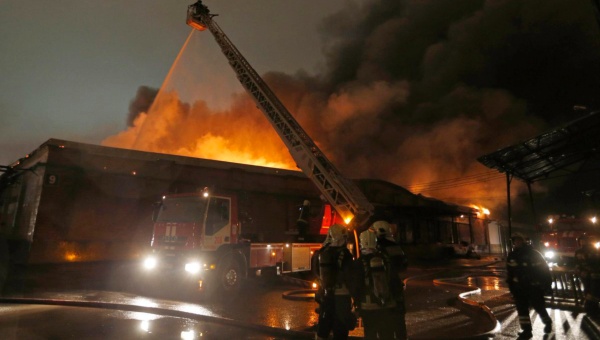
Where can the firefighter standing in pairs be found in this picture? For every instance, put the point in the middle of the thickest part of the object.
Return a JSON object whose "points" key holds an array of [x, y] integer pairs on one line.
{"points": [[528, 278], [371, 289], [587, 259], [399, 263], [334, 263]]}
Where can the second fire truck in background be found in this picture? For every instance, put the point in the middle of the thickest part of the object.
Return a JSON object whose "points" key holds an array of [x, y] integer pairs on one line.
{"points": [[559, 240]]}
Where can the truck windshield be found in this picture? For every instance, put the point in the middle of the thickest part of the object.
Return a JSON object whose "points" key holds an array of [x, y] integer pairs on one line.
{"points": [[182, 209]]}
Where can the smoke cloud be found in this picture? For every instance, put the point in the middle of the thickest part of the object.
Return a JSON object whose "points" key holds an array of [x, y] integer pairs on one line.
{"points": [[412, 92], [141, 103]]}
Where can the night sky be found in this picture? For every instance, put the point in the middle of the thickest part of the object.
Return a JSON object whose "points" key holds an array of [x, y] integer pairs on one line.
{"points": [[70, 68], [412, 92]]}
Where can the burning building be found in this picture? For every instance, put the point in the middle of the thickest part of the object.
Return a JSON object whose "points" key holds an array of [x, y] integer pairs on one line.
{"points": [[72, 202]]}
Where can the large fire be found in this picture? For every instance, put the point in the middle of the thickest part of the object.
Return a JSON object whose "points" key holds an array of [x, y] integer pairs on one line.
{"points": [[234, 134], [481, 211], [196, 131], [361, 123]]}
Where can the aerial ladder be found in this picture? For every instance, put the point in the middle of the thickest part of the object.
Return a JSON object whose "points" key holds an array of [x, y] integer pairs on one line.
{"points": [[343, 194]]}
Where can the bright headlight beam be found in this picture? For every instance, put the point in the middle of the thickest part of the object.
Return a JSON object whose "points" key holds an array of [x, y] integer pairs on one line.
{"points": [[192, 267], [150, 263], [188, 335], [549, 254]]}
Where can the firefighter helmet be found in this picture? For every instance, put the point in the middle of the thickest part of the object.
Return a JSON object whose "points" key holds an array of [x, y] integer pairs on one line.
{"points": [[337, 234], [383, 230], [368, 239]]}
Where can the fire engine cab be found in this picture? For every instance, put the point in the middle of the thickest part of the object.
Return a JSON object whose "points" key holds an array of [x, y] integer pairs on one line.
{"points": [[560, 241]]}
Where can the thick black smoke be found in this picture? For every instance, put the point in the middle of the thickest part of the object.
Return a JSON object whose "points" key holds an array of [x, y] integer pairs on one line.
{"points": [[415, 91], [546, 52], [429, 86], [141, 103]]}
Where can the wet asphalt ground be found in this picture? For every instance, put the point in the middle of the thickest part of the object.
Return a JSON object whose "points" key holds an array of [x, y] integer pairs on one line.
{"points": [[277, 310]]}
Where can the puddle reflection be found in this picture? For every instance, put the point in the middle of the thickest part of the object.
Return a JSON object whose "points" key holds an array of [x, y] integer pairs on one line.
{"points": [[486, 282]]}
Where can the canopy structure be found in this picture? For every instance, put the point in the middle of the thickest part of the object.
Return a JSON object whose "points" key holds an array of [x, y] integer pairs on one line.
{"points": [[566, 150]]}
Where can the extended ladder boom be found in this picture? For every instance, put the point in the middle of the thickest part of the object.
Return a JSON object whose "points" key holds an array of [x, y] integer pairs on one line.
{"points": [[340, 192]]}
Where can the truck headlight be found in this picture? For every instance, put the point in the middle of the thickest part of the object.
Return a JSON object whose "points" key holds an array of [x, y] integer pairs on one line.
{"points": [[150, 262], [549, 254], [192, 267]]}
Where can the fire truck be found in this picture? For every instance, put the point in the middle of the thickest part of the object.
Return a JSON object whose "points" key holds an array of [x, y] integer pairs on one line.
{"points": [[560, 241], [200, 233], [205, 236]]}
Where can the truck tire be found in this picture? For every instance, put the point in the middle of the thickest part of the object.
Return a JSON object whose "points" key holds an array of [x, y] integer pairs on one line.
{"points": [[230, 276]]}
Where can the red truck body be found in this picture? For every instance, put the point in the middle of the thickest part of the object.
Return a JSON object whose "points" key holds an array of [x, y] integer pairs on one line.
{"points": [[559, 243], [201, 236]]}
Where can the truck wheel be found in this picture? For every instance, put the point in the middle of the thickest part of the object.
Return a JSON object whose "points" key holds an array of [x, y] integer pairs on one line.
{"points": [[230, 275]]}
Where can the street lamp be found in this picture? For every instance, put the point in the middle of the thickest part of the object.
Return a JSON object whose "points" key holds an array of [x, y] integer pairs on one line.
{"points": [[593, 219]]}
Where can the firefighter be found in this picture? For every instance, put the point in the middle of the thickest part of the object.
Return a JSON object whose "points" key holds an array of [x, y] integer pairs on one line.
{"points": [[387, 244], [334, 263], [200, 7], [372, 289], [528, 278], [587, 259], [399, 263], [314, 265]]}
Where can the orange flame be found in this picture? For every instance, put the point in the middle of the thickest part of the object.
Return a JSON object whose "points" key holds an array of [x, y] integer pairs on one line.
{"points": [[230, 128], [482, 212], [236, 136]]}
